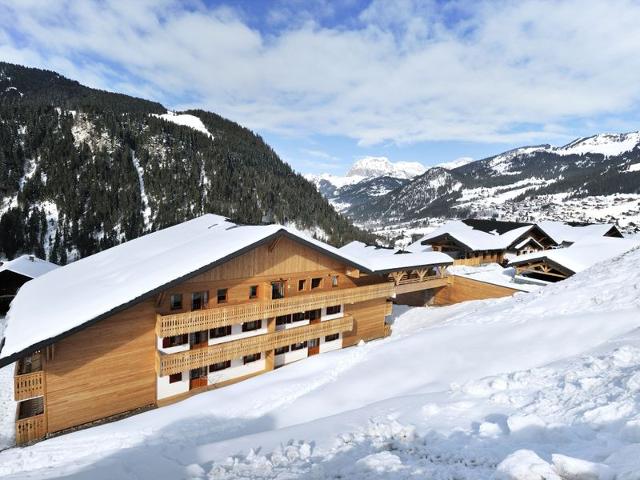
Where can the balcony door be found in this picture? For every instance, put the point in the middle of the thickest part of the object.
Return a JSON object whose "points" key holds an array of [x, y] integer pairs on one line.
{"points": [[277, 290], [314, 346], [198, 378], [199, 339]]}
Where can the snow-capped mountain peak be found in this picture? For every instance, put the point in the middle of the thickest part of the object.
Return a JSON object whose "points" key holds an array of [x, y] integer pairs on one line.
{"points": [[606, 144], [381, 167], [458, 162]]}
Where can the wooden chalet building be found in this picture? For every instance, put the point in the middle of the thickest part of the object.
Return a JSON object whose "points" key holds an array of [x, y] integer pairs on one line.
{"points": [[558, 264], [483, 241], [17, 272], [479, 241], [189, 308]]}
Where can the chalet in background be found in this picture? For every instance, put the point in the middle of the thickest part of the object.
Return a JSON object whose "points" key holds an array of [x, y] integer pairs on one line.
{"points": [[561, 263], [196, 306], [15, 273], [478, 241]]}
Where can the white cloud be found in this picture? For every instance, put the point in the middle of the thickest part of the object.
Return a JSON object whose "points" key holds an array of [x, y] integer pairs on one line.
{"points": [[507, 71]]}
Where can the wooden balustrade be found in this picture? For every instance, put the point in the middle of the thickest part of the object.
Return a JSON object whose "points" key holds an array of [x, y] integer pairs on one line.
{"points": [[30, 429], [199, 320], [168, 364], [29, 385]]}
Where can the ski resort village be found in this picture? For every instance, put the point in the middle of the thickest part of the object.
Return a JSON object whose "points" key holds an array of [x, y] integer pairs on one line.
{"points": [[320, 240]]}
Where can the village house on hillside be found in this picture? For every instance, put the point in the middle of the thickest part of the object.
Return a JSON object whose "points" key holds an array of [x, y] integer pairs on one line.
{"points": [[196, 306], [479, 241], [561, 263], [16, 272]]}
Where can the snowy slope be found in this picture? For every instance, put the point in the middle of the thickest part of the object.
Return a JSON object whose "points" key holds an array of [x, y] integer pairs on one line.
{"points": [[186, 120], [453, 393]]}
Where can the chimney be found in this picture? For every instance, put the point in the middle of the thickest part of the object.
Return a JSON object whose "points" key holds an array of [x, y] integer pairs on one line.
{"points": [[32, 258]]}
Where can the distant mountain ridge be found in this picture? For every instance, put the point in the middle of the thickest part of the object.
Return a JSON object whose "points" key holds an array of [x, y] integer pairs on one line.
{"points": [[368, 177], [83, 169], [592, 179]]}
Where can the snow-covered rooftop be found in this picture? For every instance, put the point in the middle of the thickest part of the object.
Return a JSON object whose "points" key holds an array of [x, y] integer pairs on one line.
{"points": [[583, 253], [28, 265], [477, 239], [385, 259], [562, 232]]}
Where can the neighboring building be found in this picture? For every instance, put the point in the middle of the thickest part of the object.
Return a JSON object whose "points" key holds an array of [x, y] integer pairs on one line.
{"points": [[567, 233], [196, 306], [16, 272], [561, 263], [477, 241], [417, 276]]}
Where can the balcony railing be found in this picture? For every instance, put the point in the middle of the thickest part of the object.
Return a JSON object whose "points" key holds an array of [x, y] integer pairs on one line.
{"points": [[180, 362], [27, 386], [199, 320], [30, 428]]}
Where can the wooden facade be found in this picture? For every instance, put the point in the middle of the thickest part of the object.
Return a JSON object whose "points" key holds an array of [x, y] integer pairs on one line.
{"points": [[462, 289], [117, 365]]}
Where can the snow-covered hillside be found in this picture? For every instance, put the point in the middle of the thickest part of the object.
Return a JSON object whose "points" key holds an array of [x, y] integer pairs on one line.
{"points": [[484, 388]]}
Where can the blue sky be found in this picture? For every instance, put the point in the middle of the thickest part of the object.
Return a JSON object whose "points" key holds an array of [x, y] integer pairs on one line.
{"points": [[327, 83]]}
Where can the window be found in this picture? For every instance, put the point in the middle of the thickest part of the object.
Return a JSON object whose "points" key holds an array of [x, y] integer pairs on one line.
{"points": [[301, 285], [253, 291], [222, 295], [283, 319], [316, 283], [251, 358], [334, 309], [313, 314], [282, 350], [331, 338], [297, 317], [298, 346], [216, 367], [168, 342], [199, 300], [249, 326], [277, 290], [175, 301], [175, 377], [334, 280], [220, 332]]}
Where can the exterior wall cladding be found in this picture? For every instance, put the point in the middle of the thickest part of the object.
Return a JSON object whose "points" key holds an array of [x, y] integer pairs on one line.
{"points": [[124, 362]]}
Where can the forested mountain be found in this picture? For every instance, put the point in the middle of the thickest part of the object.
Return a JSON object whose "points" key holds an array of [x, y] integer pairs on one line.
{"points": [[82, 170]]}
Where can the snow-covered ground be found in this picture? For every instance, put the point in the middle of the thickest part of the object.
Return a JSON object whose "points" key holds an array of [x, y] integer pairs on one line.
{"points": [[546, 381]]}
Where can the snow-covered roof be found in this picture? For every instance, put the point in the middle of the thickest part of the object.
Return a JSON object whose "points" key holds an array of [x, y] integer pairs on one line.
{"points": [[102, 284], [582, 254], [386, 259], [527, 240], [28, 265], [563, 232], [476, 239]]}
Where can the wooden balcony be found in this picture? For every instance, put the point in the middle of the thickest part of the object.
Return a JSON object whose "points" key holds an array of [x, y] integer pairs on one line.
{"points": [[182, 361], [30, 429], [200, 320], [29, 385]]}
